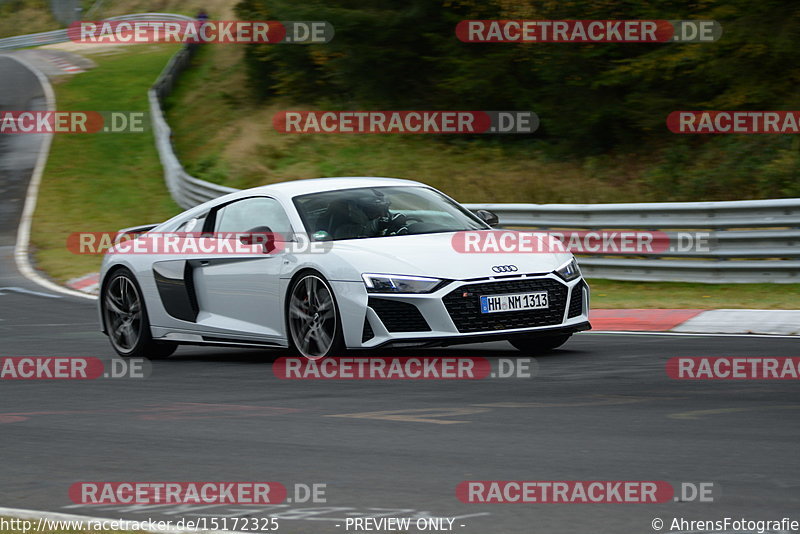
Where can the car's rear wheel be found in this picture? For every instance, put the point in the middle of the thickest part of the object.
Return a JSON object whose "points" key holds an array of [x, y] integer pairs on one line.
{"points": [[539, 344], [126, 321], [315, 330]]}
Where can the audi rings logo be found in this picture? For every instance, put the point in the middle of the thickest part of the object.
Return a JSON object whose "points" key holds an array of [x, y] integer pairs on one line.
{"points": [[505, 268]]}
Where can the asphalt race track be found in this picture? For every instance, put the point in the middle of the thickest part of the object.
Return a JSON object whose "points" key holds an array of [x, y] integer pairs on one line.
{"points": [[602, 408], [19, 90]]}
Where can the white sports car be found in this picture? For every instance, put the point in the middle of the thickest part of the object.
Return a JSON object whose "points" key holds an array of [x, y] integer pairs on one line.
{"points": [[345, 263]]}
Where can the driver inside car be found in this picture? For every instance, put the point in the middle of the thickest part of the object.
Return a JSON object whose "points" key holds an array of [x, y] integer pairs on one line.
{"points": [[365, 216]]}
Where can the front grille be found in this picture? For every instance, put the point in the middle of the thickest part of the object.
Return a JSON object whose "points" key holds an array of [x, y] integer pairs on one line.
{"points": [[466, 310], [576, 302], [399, 316]]}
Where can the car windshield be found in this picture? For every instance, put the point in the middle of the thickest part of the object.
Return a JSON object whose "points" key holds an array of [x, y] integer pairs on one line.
{"points": [[381, 212]]}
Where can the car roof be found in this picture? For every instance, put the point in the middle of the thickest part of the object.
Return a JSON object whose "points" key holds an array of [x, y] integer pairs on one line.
{"points": [[289, 190], [317, 185]]}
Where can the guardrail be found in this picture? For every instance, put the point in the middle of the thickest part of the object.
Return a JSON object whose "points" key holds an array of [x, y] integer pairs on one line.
{"points": [[60, 36], [33, 39], [186, 190], [748, 240]]}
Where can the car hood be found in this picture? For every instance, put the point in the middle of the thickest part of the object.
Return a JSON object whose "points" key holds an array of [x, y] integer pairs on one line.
{"points": [[434, 255]]}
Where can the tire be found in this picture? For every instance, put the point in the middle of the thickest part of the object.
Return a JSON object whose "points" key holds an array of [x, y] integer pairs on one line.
{"points": [[312, 318], [126, 321], [539, 344]]}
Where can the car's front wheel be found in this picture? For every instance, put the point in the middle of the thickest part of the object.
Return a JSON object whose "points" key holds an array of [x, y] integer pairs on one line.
{"points": [[126, 321], [539, 344], [315, 330]]}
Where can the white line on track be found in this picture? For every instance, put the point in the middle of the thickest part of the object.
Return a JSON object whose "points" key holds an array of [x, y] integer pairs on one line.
{"points": [[28, 292], [24, 230], [690, 334]]}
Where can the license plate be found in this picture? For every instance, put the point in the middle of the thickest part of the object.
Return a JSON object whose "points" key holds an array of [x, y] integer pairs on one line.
{"points": [[514, 302]]}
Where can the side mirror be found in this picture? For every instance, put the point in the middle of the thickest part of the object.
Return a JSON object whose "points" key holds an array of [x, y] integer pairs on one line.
{"points": [[489, 217], [261, 235]]}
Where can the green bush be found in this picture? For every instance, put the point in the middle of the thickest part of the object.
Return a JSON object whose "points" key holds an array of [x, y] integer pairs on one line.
{"points": [[592, 99]]}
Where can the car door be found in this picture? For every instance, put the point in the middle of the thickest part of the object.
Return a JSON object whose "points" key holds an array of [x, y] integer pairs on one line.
{"points": [[238, 292]]}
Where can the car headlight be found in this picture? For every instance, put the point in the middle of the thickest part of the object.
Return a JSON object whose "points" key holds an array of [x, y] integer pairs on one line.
{"points": [[569, 271], [392, 283]]}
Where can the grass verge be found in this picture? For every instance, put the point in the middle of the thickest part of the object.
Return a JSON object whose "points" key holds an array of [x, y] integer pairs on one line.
{"points": [[223, 136], [105, 181], [676, 295]]}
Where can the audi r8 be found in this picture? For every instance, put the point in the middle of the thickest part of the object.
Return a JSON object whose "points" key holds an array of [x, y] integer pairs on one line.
{"points": [[344, 263]]}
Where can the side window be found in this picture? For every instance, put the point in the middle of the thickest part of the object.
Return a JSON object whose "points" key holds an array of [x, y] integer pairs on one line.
{"points": [[252, 214]]}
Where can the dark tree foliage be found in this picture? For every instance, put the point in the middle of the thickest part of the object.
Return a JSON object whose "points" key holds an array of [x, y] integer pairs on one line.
{"points": [[591, 98]]}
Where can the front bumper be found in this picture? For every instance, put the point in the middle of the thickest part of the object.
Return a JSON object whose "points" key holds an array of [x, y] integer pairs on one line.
{"points": [[451, 314]]}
